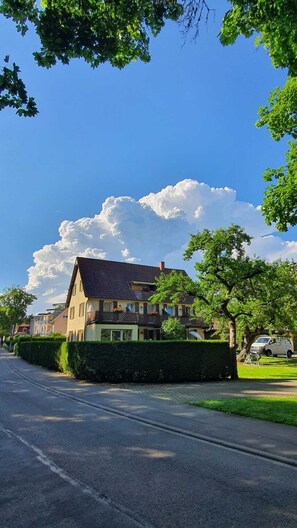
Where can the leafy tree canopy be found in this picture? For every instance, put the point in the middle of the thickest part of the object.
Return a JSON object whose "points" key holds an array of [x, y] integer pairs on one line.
{"points": [[14, 302], [280, 116], [4, 323], [233, 289], [118, 31], [275, 24]]}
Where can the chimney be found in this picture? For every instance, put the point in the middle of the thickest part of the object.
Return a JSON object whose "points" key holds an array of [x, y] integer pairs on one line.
{"points": [[162, 266]]}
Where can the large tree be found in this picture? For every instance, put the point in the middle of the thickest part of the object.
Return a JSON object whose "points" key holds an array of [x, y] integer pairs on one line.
{"points": [[14, 303], [273, 306], [233, 289], [280, 116], [275, 24], [118, 31]]}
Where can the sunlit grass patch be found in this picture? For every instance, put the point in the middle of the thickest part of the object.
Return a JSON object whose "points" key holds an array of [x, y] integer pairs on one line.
{"points": [[279, 410], [269, 368]]}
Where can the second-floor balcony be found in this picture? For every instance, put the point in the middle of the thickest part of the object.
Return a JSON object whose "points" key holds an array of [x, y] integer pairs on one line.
{"points": [[154, 320]]}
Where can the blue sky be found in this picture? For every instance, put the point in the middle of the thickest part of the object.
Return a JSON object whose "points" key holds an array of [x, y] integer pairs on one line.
{"points": [[188, 114]]}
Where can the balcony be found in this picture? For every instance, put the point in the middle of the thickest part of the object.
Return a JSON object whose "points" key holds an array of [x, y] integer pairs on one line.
{"points": [[137, 318]]}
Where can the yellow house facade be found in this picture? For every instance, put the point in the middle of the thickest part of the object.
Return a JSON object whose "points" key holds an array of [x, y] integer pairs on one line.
{"points": [[109, 301]]}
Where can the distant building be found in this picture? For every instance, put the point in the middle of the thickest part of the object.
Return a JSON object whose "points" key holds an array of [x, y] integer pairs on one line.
{"points": [[22, 329], [49, 322], [109, 301], [59, 321]]}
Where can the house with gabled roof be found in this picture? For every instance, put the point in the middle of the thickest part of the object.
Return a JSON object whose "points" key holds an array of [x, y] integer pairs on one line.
{"points": [[52, 321], [110, 301], [22, 329]]}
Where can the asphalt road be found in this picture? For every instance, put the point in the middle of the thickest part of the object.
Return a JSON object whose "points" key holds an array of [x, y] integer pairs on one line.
{"points": [[67, 463]]}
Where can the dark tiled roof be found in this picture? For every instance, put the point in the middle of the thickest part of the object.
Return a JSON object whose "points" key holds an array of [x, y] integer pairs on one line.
{"points": [[106, 279]]}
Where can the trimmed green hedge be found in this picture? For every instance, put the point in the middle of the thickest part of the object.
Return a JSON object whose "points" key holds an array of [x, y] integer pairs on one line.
{"points": [[132, 361], [43, 352], [30, 339], [22, 338]]}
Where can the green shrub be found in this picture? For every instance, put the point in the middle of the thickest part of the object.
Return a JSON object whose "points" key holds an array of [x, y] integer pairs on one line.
{"points": [[173, 329], [133, 361]]}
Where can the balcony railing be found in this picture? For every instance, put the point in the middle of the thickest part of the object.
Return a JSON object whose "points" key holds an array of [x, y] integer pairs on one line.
{"points": [[137, 318]]}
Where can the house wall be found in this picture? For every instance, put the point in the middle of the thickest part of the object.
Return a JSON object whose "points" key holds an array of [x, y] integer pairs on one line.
{"points": [[93, 305], [40, 324], [76, 324], [59, 325], [93, 331]]}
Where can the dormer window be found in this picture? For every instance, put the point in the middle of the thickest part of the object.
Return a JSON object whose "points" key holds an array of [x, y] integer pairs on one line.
{"points": [[142, 286]]}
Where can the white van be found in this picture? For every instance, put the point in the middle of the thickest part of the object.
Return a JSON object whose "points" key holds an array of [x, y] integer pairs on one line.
{"points": [[273, 346]]}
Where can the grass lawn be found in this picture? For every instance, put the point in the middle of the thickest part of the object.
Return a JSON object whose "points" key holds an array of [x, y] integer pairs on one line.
{"points": [[270, 368], [273, 409], [279, 410]]}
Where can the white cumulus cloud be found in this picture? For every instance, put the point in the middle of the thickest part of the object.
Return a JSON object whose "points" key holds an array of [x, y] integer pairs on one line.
{"points": [[154, 228]]}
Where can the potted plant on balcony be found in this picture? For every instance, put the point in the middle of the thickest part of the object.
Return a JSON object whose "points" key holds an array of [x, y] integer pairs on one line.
{"points": [[118, 310], [153, 312]]}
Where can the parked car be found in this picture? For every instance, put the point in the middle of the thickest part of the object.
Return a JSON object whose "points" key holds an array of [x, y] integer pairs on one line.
{"points": [[273, 346]]}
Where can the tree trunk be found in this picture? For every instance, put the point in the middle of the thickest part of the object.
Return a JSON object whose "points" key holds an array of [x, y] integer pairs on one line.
{"points": [[249, 338], [233, 346], [248, 341], [11, 337]]}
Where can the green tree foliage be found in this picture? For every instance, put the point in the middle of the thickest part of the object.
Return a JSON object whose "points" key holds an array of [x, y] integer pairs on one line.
{"points": [[13, 91], [275, 23], [273, 306], [115, 31], [280, 117], [4, 323], [14, 302], [233, 289], [173, 330]]}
